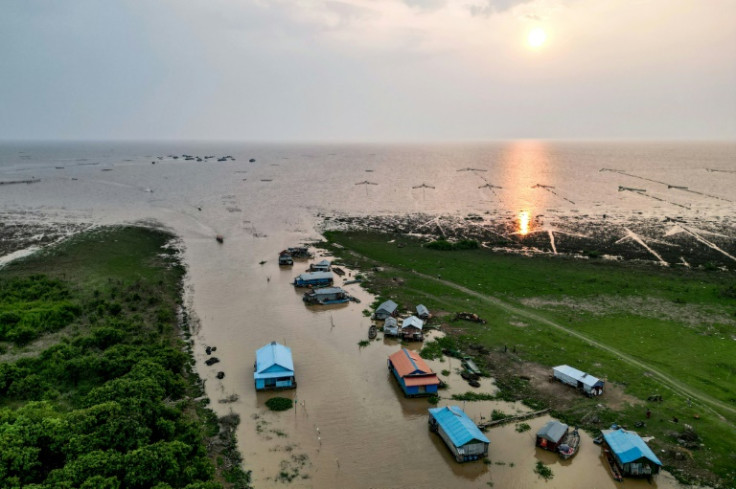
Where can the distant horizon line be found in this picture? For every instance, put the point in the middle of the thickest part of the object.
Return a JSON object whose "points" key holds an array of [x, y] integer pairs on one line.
{"points": [[365, 142]]}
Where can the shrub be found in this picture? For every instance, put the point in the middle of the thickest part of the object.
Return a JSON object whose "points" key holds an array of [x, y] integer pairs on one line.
{"points": [[279, 403]]}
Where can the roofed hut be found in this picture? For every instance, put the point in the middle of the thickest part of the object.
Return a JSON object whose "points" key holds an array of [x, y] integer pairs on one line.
{"points": [[274, 367], [551, 436], [391, 327], [630, 453], [387, 309], [460, 434], [411, 329], [413, 374]]}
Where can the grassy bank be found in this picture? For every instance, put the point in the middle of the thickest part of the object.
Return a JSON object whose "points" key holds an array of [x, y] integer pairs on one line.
{"points": [[96, 382], [648, 330]]}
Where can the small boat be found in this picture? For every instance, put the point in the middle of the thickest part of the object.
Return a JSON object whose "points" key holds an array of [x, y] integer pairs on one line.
{"points": [[219, 238], [372, 332], [615, 472], [570, 445]]}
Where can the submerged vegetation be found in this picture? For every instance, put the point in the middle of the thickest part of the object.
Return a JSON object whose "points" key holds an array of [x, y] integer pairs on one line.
{"points": [[279, 403], [651, 332], [96, 385]]}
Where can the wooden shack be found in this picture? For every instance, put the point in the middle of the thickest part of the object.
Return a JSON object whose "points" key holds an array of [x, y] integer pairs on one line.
{"points": [[551, 436]]}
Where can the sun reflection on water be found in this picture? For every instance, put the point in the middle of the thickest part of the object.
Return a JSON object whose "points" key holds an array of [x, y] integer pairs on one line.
{"points": [[524, 223]]}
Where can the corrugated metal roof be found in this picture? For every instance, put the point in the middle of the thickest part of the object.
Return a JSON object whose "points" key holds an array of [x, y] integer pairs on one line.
{"points": [[628, 446], [422, 310], [457, 425], [273, 354], [578, 375], [408, 362], [323, 263], [388, 306], [553, 431], [314, 276], [412, 321], [327, 291]]}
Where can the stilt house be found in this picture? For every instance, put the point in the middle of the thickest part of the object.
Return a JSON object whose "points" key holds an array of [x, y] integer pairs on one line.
{"points": [[460, 434], [551, 435], [411, 329], [413, 374], [274, 367], [313, 279], [630, 453], [386, 309]]}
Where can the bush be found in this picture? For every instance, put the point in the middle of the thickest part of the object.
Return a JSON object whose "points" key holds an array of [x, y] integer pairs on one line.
{"points": [[279, 403]]}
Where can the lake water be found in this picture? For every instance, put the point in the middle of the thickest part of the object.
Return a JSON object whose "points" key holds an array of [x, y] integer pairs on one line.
{"points": [[352, 427]]}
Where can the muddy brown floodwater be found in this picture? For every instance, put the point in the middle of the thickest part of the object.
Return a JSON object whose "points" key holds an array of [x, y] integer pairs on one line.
{"points": [[352, 426]]}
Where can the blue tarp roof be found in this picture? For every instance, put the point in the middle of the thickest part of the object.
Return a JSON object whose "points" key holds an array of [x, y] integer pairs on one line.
{"points": [[457, 425], [273, 360], [628, 446]]}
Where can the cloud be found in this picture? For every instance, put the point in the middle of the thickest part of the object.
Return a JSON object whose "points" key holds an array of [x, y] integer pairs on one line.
{"points": [[490, 7]]}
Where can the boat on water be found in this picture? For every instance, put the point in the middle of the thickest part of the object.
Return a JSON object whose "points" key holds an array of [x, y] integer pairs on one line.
{"points": [[372, 332], [570, 445], [615, 472], [220, 238]]}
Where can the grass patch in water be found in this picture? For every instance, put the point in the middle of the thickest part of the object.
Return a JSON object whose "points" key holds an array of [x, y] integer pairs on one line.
{"points": [[279, 403]]}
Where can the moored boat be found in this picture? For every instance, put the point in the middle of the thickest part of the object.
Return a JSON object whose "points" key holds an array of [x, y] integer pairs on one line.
{"points": [[569, 446]]}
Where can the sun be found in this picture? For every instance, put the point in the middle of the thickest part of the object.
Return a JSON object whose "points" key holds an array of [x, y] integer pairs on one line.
{"points": [[537, 37]]}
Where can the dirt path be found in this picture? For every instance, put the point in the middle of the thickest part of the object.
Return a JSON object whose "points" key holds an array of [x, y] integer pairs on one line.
{"points": [[675, 385]]}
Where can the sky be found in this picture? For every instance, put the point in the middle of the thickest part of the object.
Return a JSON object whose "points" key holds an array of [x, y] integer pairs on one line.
{"points": [[367, 70]]}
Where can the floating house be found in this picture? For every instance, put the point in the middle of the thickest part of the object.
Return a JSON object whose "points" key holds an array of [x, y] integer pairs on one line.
{"points": [[313, 279], [274, 367], [391, 327], [413, 374], [592, 386], [422, 312], [551, 436], [460, 434], [387, 309], [323, 266], [411, 329], [631, 455], [326, 295]]}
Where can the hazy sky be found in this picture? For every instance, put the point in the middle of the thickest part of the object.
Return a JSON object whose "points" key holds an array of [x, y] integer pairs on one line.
{"points": [[367, 70]]}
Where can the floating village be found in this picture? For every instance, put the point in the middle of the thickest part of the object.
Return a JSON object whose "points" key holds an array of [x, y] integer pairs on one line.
{"points": [[625, 451]]}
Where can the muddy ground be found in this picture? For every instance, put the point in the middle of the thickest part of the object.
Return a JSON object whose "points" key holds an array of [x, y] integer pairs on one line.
{"points": [[673, 240]]}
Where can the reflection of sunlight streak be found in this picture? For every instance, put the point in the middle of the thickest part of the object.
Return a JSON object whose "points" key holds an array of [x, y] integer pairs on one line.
{"points": [[524, 223]]}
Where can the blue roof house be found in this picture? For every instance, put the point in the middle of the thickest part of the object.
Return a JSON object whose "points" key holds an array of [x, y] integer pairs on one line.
{"points": [[630, 453], [460, 434], [274, 367]]}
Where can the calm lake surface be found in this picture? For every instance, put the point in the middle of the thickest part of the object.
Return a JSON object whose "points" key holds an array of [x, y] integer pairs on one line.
{"points": [[352, 426]]}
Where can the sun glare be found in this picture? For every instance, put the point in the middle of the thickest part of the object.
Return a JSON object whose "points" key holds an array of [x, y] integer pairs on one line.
{"points": [[536, 37], [524, 223]]}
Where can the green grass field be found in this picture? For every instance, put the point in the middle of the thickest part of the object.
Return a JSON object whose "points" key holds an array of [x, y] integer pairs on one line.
{"points": [[667, 331]]}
